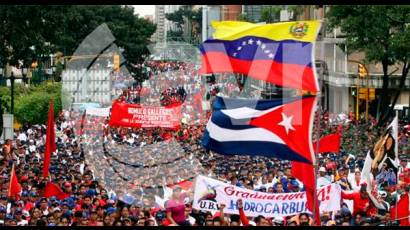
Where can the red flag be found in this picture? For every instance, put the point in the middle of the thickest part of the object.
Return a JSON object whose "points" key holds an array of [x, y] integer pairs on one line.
{"points": [[14, 187], [329, 143], [306, 174], [54, 190], [401, 211], [50, 140]]}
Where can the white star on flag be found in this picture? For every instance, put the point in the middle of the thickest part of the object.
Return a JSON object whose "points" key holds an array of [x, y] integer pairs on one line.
{"points": [[239, 48], [258, 42], [263, 46], [286, 123], [250, 41], [270, 55], [234, 54], [244, 43], [267, 51]]}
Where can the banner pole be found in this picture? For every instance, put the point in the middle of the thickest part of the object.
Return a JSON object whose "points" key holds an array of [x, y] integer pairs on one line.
{"points": [[315, 165]]}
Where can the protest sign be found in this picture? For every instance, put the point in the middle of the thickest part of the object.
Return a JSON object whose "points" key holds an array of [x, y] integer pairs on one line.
{"points": [[99, 112], [138, 116], [210, 193]]}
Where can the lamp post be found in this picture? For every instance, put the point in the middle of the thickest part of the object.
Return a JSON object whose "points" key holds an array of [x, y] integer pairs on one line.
{"points": [[12, 78]]}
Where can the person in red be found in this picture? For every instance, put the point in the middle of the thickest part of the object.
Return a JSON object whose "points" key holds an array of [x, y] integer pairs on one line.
{"points": [[176, 208], [401, 211], [243, 218], [361, 201]]}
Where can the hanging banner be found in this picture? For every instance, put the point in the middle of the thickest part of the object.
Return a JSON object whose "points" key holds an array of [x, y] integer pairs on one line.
{"points": [[138, 116], [210, 193]]}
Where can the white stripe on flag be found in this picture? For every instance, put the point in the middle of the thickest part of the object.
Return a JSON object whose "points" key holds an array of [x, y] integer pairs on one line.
{"points": [[246, 112], [252, 134]]}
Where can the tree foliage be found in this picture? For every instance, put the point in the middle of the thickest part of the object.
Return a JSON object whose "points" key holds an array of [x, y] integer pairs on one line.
{"points": [[383, 34], [270, 14], [244, 18], [49, 29], [31, 103], [180, 17]]}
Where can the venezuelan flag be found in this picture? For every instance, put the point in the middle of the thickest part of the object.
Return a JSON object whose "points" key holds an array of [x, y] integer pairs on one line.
{"points": [[280, 53]]}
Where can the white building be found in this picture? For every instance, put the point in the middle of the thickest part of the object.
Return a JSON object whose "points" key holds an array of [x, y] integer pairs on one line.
{"points": [[81, 86]]}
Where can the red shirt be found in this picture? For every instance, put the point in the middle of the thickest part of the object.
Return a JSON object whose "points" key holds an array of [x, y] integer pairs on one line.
{"points": [[177, 210], [359, 203]]}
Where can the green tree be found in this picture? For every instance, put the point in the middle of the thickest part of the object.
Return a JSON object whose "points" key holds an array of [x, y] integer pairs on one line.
{"points": [[131, 32], [32, 107], [34, 32], [270, 14], [244, 18], [180, 17], [174, 35], [27, 32], [177, 17], [383, 34]]}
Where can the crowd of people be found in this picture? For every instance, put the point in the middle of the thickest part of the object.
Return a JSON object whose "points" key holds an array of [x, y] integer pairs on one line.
{"points": [[116, 176]]}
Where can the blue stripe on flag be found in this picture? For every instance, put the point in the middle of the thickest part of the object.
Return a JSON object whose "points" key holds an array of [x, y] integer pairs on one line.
{"points": [[252, 148]]}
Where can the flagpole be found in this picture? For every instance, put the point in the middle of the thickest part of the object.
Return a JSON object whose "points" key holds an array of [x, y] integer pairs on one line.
{"points": [[11, 180], [315, 165], [397, 143]]}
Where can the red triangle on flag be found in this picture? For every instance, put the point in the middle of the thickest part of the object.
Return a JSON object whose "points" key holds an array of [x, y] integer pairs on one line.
{"points": [[291, 123]]}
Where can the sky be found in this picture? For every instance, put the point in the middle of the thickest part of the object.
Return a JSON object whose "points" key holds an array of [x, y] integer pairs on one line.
{"points": [[143, 10]]}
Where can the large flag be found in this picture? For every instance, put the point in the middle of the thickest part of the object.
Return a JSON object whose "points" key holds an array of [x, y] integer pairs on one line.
{"points": [[50, 140], [54, 190], [306, 174], [14, 186], [279, 53], [401, 210], [382, 161], [328, 144], [275, 128]]}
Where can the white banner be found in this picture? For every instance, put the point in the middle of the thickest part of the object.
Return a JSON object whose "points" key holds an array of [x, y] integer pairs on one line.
{"points": [[209, 193], [99, 112]]}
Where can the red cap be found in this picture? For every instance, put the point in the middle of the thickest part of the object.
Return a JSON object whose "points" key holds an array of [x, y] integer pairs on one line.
{"points": [[24, 178]]}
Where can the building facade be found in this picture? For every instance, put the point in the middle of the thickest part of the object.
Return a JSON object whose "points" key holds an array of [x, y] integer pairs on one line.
{"points": [[160, 34]]}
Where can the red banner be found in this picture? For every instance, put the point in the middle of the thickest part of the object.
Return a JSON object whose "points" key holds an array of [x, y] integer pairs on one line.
{"points": [[136, 115]]}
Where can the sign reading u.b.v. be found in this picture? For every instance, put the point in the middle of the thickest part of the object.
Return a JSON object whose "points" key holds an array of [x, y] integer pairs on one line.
{"points": [[210, 193]]}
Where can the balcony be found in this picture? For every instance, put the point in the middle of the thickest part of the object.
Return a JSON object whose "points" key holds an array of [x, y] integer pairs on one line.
{"points": [[349, 80]]}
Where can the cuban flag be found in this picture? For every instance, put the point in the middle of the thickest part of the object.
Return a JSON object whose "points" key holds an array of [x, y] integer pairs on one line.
{"points": [[278, 128]]}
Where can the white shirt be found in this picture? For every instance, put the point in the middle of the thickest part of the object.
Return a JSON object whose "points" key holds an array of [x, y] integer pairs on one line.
{"points": [[22, 137], [354, 185], [22, 223], [32, 148], [322, 181]]}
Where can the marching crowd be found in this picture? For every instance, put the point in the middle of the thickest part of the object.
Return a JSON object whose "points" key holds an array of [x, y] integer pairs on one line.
{"points": [[91, 203], [113, 176]]}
